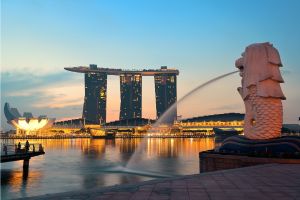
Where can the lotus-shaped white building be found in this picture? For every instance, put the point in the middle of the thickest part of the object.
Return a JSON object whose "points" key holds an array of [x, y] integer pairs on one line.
{"points": [[26, 124]]}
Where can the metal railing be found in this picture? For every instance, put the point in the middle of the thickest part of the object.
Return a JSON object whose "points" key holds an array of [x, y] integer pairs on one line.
{"points": [[12, 149]]}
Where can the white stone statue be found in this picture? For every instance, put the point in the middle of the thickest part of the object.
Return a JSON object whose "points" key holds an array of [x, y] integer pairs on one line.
{"points": [[261, 91]]}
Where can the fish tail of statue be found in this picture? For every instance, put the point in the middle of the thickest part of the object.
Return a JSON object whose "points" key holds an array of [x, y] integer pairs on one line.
{"points": [[263, 118]]}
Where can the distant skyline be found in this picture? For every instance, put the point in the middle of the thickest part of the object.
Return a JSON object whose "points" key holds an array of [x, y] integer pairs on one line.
{"points": [[200, 38]]}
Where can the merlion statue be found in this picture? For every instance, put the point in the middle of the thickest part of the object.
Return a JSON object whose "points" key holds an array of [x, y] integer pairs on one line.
{"points": [[261, 91]]}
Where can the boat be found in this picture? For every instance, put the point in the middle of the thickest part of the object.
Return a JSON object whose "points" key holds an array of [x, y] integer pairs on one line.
{"points": [[97, 133]]}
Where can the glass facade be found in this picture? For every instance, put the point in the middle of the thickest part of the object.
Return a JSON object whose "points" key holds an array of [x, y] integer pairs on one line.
{"points": [[166, 95], [94, 108], [131, 96]]}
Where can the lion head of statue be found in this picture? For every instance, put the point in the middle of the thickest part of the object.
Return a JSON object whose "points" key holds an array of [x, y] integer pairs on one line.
{"points": [[259, 66]]}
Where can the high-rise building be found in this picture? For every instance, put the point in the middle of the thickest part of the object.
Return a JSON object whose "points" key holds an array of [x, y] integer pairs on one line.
{"points": [[166, 95], [94, 108], [131, 96]]}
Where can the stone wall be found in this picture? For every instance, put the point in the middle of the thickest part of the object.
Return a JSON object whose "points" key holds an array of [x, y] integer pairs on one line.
{"points": [[213, 161]]}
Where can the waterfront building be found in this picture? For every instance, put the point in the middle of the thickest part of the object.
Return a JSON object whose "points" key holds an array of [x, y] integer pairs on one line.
{"points": [[94, 107], [28, 115], [26, 124], [131, 96], [131, 91], [202, 126], [165, 94], [130, 122], [207, 124], [70, 123]]}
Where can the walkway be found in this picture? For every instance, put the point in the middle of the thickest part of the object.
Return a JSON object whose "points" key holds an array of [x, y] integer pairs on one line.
{"points": [[11, 153], [272, 181]]}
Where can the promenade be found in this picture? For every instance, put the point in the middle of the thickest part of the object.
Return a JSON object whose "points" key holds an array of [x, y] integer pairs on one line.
{"points": [[272, 181]]}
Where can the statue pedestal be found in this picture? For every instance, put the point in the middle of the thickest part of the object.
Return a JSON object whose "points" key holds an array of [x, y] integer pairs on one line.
{"points": [[238, 151], [287, 147]]}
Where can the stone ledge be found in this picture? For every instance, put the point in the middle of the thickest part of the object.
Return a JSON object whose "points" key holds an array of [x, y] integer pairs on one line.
{"points": [[213, 161]]}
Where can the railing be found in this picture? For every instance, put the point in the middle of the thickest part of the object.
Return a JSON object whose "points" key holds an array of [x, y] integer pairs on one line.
{"points": [[12, 149]]}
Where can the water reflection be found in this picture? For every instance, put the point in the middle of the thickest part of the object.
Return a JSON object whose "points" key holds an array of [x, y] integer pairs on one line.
{"points": [[19, 181], [72, 164]]}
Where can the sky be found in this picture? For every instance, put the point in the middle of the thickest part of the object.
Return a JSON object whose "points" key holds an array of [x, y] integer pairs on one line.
{"points": [[200, 38]]}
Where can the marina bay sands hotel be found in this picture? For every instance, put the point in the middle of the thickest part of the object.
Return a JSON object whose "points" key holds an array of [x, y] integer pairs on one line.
{"points": [[94, 108]]}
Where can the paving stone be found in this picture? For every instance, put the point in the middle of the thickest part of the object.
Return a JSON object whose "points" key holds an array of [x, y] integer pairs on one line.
{"points": [[199, 190], [198, 195], [219, 196], [272, 181], [163, 184], [158, 197], [102, 197], [140, 195], [163, 191]]}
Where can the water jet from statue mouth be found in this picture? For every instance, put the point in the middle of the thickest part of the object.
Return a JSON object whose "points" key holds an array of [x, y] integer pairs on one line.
{"points": [[125, 170], [164, 118]]}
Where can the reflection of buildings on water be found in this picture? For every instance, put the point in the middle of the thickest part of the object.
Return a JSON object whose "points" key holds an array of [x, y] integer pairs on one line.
{"points": [[119, 148], [63, 144], [94, 148], [19, 181], [88, 158], [162, 147], [128, 146], [171, 154], [173, 147], [153, 147]]}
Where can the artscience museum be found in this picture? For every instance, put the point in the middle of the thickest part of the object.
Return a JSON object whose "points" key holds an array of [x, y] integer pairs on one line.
{"points": [[26, 124]]}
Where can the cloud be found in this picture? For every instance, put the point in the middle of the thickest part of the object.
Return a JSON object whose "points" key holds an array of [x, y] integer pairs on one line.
{"points": [[53, 96], [59, 104], [19, 81], [50, 91], [57, 95]]}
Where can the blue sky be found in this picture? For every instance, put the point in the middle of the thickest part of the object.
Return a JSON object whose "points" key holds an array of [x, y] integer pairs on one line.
{"points": [[200, 38]]}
